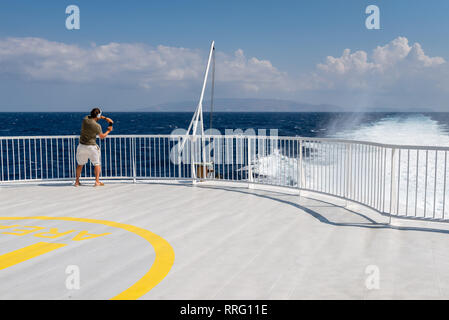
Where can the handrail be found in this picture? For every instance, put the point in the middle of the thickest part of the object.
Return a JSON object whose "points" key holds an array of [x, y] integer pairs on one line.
{"points": [[378, 144], [396, 180]]}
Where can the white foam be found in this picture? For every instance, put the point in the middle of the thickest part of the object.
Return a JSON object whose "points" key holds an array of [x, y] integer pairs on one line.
{"points": [[416, 129]]}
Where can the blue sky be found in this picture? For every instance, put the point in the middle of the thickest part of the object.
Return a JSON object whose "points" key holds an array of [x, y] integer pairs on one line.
{"points": [[292, 36]]}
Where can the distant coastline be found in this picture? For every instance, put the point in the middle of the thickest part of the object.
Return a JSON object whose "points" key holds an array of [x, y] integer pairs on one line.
{"points": [[274, 105], [234, 106]]}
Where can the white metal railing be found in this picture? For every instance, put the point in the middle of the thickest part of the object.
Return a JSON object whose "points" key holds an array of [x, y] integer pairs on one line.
{"points": [[403, 181]]}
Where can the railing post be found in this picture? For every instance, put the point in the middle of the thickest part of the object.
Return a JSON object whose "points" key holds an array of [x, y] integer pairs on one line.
{"points": [[348, 167], [74, 163], [134, 158], [393, 182], [250, 169], [192, 161], [298, 167], [301, 177], [180, 160], [203, 158]]}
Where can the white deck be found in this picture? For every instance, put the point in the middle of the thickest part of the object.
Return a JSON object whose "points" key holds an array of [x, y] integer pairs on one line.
{"points": [[229, 243]]}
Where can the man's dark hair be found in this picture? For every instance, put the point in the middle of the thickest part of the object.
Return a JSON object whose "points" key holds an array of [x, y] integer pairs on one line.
{"points": [[95, 112]]}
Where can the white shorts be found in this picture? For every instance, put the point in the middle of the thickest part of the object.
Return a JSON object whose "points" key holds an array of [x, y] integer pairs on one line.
{"points": [[88, 152]]}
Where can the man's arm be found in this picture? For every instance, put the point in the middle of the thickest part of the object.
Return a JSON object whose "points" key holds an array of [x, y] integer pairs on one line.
{"points": [[107, 119], [104, 135]]}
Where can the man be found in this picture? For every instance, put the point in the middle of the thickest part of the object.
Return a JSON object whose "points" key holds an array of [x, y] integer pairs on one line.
{"points": [[88, 148]]}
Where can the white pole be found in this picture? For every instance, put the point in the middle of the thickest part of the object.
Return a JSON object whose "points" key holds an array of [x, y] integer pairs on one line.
{"points": [[199, 109], [200, 104]]}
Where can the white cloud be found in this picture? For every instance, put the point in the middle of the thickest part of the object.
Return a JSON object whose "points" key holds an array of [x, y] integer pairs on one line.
{"points": [[40, 59], [399, 50], [251, 74], [349, 62], [395, 74], [129, 63], [397, 54]]}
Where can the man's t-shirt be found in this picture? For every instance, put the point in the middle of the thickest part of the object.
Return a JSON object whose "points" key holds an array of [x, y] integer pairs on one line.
{"points": [[89, 131]]}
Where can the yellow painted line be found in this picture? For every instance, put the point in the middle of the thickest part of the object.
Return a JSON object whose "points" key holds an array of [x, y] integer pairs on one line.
{"points": [[12, 258], [165, 255]]}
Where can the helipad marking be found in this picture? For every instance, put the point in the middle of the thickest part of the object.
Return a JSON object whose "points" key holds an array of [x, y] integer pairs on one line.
{"points": [[165, 256], [17, 256]]}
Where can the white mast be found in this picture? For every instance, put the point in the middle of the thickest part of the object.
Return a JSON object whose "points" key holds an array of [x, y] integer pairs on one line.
{"points": [[197, 119]]}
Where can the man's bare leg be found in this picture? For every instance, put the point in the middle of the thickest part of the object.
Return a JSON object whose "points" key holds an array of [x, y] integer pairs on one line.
{"points": [[78, 174], [97, 170]]}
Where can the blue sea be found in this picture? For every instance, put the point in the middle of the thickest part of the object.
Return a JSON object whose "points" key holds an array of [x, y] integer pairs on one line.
{"points": [[426, 128]]}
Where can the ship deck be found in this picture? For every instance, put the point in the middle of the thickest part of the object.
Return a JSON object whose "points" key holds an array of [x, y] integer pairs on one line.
{"points": [[160, 240]]}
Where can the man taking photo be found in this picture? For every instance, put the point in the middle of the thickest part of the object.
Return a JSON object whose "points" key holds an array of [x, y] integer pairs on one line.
{"points": [[88, 148]]}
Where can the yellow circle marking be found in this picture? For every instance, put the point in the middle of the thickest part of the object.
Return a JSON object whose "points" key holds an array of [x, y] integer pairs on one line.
{"points": [[165, 255]]}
